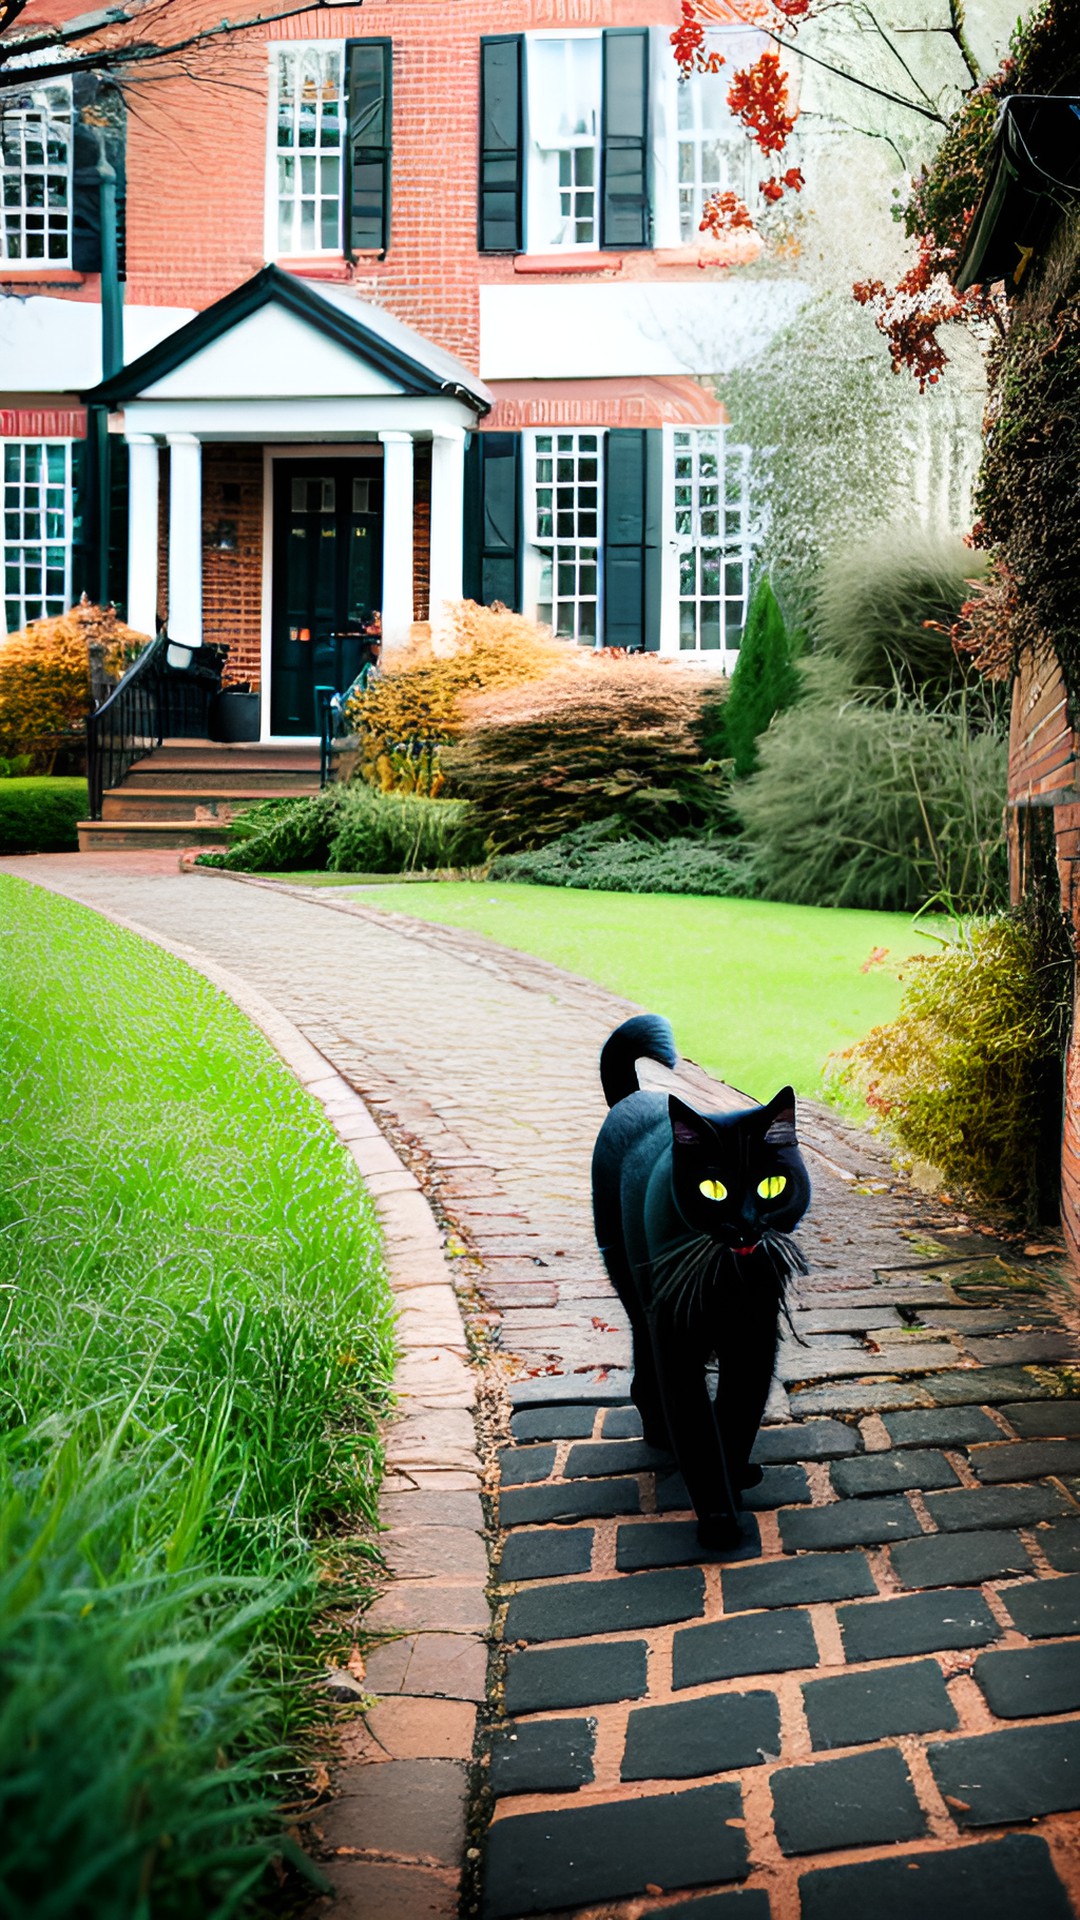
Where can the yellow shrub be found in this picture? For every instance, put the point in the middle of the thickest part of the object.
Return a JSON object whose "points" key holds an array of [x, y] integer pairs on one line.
{"points": [[45, 674], [414, 706]]}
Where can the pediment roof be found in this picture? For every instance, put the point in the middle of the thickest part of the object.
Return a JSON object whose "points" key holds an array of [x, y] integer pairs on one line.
{"points": [[403, 361]]}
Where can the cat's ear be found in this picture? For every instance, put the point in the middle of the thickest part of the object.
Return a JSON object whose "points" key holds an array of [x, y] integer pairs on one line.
{"points": [[689, 1129], [781, 1116]]}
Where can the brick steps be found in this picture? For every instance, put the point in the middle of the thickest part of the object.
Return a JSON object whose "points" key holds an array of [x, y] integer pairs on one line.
{"points": [[130, 836], [186, 793], [194, 802]]}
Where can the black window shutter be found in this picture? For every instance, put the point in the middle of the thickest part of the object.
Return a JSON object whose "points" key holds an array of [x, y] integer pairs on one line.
{"points": [[502, 160], [632, 514], [119, 457], [99, 125], [493, 519], [625, 201], [369, 106], [82, 529]]}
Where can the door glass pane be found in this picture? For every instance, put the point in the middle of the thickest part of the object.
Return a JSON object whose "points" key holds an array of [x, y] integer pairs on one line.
{"points": [[712, 525]]}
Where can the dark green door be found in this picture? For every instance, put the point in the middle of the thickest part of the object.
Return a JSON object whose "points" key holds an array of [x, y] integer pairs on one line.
{"points": [[327, 582]]}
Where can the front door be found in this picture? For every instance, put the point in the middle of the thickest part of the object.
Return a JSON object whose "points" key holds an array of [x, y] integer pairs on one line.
{"points": [[327, 582]]}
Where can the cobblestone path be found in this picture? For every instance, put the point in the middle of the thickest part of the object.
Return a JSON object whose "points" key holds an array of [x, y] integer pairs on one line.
{"points": [[873, 1707]]}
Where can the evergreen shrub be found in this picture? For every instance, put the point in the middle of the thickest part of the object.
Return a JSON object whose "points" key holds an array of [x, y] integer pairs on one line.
{"points": [[764, 682], [39, 815], [969, 1074], [595, 858]]}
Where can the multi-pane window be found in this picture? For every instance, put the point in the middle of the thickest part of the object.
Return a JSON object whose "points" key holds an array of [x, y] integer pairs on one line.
{"points": [[37, 529], [567, 533], [310, 122], [714, 540], [35, 171], [715, 153], [564, 78]]}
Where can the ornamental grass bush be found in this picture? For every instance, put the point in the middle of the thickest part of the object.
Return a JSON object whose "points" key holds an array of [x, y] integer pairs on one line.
{"points": [[351, 829], [618, 741], [884, 803], [414, 705], [968, 1077], [883, 609], [45, 677], [596, 858]]}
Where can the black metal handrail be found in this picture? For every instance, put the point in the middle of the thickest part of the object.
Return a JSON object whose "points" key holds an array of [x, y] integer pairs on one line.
{"points": [[155, 700], [327, 724]]}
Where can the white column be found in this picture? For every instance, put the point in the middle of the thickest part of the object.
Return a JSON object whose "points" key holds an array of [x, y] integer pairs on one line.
{"points": [[447, 522], [142, 581], [185, 540], [397, 586]]}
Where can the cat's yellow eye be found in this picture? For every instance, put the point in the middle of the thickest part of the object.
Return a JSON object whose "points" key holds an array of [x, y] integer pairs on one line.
{"points": [[772, 1186], [713, 1189]]}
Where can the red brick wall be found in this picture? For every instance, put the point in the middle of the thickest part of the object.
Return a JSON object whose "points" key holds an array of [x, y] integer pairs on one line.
{"points": [[197, 158], [232, 581], [1043, 766]]}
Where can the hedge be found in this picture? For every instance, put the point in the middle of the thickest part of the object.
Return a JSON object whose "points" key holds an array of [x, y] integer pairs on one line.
{"points": [[39, 814]]}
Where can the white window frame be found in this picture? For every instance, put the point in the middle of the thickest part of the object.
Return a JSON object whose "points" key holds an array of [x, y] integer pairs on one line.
{"points": [[15, 121], [276, 245], [732, 543], [536, 186], [544, 549], [20, 543], [745, 164]]}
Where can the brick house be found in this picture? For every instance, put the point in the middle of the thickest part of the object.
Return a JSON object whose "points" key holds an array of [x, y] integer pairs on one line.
{"points": [[413, 307]]}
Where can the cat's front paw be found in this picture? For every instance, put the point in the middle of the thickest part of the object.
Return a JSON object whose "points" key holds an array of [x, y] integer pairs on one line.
{"points": [[750, 1477], [718, 1530]]}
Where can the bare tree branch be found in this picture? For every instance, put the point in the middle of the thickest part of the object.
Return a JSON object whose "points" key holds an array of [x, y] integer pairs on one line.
{"points": [[958, 31], [790, 46], [120, 56]]}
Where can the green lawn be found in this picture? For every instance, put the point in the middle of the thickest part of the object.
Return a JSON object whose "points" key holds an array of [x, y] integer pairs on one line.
{"points": [[196, 1335], [758, 992]]}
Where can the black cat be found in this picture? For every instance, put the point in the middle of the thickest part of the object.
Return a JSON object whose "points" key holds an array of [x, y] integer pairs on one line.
{"points": [[691, 1215]]}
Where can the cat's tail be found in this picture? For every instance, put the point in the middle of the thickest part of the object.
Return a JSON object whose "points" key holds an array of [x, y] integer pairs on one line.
{"points": [[648, 1036]]}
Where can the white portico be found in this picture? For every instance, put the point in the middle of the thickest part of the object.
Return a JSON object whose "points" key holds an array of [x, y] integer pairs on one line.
{"points": [[358, 426]]}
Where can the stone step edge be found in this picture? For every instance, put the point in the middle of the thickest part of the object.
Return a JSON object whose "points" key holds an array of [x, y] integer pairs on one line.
{"points": [[418, 1724]]}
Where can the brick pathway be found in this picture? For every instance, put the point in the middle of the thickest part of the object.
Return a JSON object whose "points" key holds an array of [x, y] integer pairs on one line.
{"points": [[868, 1706]]}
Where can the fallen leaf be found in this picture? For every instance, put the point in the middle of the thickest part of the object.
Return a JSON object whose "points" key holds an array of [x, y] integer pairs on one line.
{"points": [[962, 1806]]}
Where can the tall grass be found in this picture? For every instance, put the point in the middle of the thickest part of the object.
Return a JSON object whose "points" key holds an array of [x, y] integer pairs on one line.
{"points": [[195, 1338], [353, 829], [879, 802]]}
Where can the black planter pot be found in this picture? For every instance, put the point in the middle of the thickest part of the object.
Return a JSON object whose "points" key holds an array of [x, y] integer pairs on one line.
{"points": [[234, 717]]}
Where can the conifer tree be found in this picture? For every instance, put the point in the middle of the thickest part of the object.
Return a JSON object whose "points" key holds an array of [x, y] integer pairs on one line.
{"points": [[765, 680]]}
